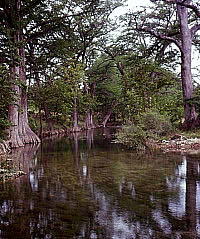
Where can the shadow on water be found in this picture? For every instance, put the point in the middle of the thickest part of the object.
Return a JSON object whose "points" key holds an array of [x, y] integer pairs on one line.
{"points": [[83, 186]]}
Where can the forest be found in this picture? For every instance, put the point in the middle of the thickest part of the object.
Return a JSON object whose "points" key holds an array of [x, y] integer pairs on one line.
{"points": [[73, 65]]}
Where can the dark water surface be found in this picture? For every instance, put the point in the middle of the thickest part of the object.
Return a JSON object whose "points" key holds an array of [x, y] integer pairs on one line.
{"points": [[85, 187]]}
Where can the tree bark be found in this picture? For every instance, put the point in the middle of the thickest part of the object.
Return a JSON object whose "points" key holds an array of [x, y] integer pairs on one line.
{"points": [[89, 120], [25, 132], [13, 111], [75, 114], [14, 139], [107, 116], [48, 119], [19, 132], [41, 126], [186, 73], [89, 117]]}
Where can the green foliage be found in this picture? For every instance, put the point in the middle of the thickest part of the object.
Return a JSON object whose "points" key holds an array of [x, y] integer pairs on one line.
{"points": [[132, 136], [4, 124], [170, 103], [110, 89], [195, 100], [108, 86], [145, 79], [155, 124], [150, 125], [58, 93], [59, 43], [149, 86], [6, 98]]}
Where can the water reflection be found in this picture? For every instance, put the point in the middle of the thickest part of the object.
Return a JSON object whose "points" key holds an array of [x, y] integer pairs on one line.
{"points": [[192, 174], [84, 187]]}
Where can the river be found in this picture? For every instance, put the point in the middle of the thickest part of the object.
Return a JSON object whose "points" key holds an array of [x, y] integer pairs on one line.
{"points": [[84, 186]]}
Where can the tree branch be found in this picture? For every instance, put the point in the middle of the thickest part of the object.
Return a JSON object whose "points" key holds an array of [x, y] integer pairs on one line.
{"points": [[191, 6], [195, 28], [40, 33], [160, 36]]}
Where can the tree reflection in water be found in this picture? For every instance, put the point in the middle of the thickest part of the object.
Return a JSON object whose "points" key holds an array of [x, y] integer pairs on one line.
{"points": [[192, 176], [85, 187]]}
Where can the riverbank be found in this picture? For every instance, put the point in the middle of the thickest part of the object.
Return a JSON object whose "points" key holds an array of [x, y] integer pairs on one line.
{"points": [[179, 143], [9, 168], [53, 133]]}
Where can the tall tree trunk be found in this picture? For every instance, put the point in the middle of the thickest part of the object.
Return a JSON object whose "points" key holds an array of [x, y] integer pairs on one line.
{"points": [[108, 114], [20, 132], [75, 114], [48, 119], [14, 139], [89, 120], [106, 117], [186, 73], [41, 126], [89, 117], [26, 134], [13, 111]]}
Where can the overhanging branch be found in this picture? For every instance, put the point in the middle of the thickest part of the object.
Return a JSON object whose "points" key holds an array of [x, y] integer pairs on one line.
{"points": [[191, 6], [160, 36], [195, 28]]}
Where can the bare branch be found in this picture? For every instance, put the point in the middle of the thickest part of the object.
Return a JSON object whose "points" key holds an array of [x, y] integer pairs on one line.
{"points": [[191, 6], [195, 28], [41, 33], [169, 1], [160, 36]]}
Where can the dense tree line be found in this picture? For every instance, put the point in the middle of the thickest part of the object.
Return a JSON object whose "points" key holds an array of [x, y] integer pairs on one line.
{"points": [[63, 63]]}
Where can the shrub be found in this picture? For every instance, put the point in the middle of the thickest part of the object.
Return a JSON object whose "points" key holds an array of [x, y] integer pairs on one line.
{"points": [[132, 136], [150, 125], [155, 124]]}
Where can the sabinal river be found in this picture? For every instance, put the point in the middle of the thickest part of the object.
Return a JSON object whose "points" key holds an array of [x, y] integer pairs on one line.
{"points": [[84, 187]]}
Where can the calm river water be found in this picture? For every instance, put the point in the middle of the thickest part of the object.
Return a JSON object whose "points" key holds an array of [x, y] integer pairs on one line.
{"points": [[85, 187]]}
